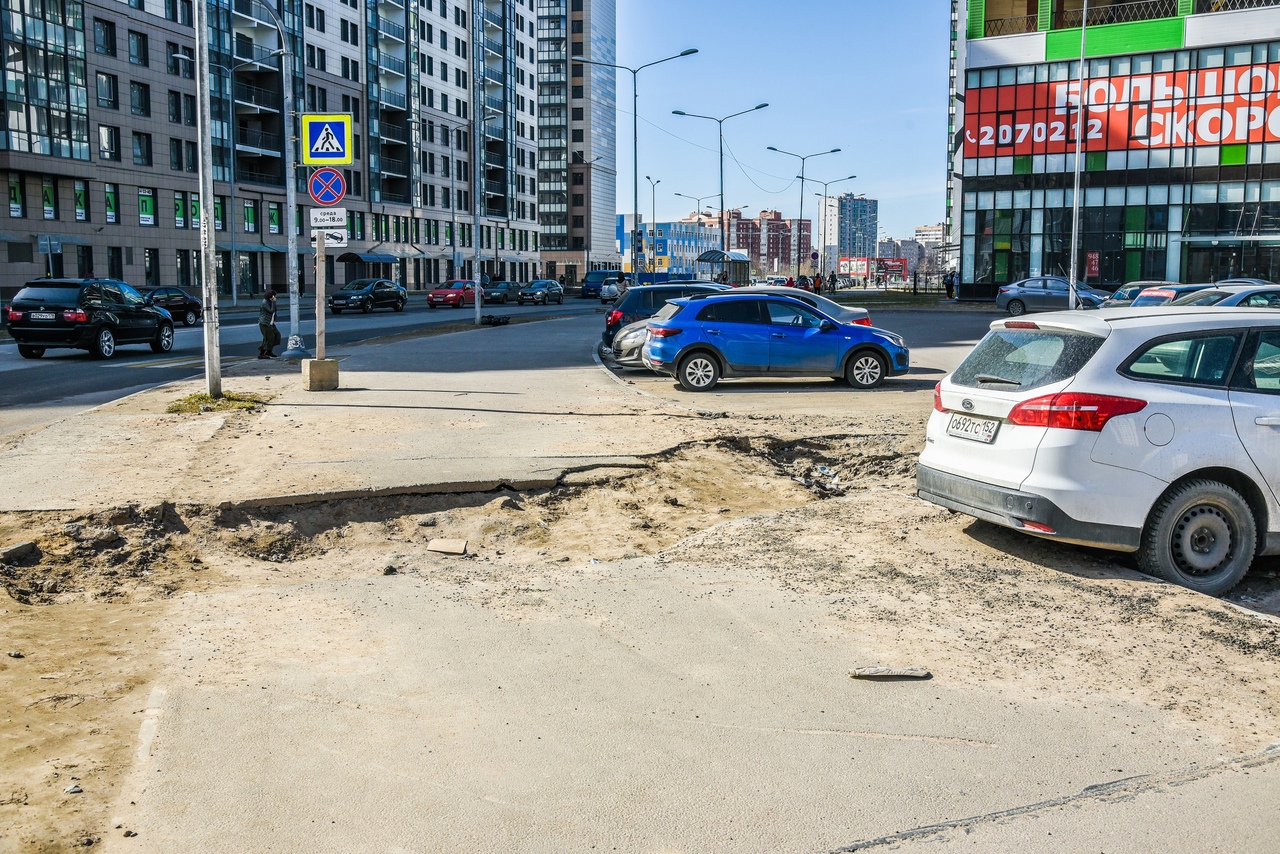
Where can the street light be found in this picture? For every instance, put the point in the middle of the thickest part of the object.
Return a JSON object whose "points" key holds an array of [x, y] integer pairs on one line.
{"points": [[635, 135], [477, 131], [591, 177], [825, 184], [1072, 295], [800, 222], [721, 122], [653, 217], [697, 199]]}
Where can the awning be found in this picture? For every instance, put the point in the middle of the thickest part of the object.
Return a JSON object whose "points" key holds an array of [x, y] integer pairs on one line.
{"points": [[716, 256], [69, 239], [510, 260], [371, 257]]}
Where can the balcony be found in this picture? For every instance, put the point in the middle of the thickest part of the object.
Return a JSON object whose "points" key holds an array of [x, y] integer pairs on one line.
{"points": [[1010, 26], [391, 30], [394, 166], [261, 141], [255, 96], [391, 65], [258, 54], [256, 176], [393, 133], [492, 45], [255, 11], [493, 19], [1101, 13], [393, 99], [1204, 6]]}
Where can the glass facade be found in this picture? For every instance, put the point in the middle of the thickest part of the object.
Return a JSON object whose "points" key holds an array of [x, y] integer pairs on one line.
{"points": [[46, 92], [1179, 172]]}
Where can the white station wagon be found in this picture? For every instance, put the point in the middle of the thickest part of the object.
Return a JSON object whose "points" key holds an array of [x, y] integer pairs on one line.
{"points": [[1154, 431]]}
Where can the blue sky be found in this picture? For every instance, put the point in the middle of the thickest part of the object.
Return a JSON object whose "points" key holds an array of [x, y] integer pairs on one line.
{"points": [[864, 76]]}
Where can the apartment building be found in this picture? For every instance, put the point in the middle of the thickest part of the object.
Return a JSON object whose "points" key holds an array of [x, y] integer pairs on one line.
{"points": [[1179, 171], [577, 166], [859, 219], [100, 96]]}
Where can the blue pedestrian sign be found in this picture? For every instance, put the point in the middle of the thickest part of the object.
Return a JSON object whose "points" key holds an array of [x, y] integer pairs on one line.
{"points": [[327, 138], [327, 186]]}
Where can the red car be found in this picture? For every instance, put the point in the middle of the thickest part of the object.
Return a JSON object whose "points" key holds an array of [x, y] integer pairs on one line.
{"points": [[453, 294]]}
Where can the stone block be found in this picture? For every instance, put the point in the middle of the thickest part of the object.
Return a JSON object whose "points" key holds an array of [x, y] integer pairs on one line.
{"points": [[320, 374]]}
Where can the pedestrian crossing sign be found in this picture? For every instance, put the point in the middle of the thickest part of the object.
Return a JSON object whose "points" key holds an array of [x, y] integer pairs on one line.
{"points": [[328, 139]]}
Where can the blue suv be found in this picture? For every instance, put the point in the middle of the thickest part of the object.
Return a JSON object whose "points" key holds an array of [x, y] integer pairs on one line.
{"points": [[702, 338]]}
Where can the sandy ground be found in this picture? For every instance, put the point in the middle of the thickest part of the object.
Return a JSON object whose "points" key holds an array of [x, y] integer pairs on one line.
{"points": [[825, 506]]}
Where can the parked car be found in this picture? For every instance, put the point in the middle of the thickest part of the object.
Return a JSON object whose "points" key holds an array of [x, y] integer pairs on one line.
{"points": [[829, 307], [180, 304], [1150, 432], [641, 303], [702, 338], [544, 291], [85, 314], [1044, 293], [367, 294], [1125, 294], [804, 283], [500, 293], [453, 294], [594, 280], [628, 345], [1232, 295], [1164, 294]]}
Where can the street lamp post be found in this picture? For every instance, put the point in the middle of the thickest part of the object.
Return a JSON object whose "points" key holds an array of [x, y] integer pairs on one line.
{"points": [[635, 134], [825, 185], [208, 276], [477, 132], [720, 123], [800, 222], [1072, 295], [653, 216]]}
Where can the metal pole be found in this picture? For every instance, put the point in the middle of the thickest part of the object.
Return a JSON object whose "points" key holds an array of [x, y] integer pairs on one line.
{"points": [[320, 287], [800, 222], [233, 274], [296, 349], [635, 170], [1072, 296], [208, 274], [723, 242]]}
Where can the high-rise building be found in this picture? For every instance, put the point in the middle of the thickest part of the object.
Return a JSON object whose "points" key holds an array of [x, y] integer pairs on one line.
{"points": [[577, 161], [859, 225], [1179, 171], [407, 74]]}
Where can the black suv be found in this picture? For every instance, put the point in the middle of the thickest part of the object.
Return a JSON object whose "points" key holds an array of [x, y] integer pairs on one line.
{"points": [[640, 303], [86, 314], [367, 294], [180, 304]]}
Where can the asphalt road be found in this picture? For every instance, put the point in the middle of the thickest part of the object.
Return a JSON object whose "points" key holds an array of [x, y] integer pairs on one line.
{"points": [[64, 375]]}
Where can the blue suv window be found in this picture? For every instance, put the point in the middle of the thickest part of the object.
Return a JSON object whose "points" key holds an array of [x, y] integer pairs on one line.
{"points": [[784, 314], [734, 311]]}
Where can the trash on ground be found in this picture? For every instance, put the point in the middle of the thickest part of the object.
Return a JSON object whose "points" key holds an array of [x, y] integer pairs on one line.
{"points": [[448, 547], [890, 673]]}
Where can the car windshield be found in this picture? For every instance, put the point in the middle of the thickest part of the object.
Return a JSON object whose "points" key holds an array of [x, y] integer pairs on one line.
{"points": [[1025, 358], [1202, 298], [357, 285], [1160, 297], [49, 293], [596, 277]]}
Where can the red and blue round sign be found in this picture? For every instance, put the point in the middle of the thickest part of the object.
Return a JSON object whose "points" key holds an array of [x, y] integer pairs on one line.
{"points": [[327, 186]]}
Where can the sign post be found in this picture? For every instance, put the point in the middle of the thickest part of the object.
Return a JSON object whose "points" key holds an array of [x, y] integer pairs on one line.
{"points": [[327, 142]]}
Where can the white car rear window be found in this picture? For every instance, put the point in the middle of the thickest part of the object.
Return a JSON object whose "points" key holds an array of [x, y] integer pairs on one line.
{"points": [[1025, 358]]}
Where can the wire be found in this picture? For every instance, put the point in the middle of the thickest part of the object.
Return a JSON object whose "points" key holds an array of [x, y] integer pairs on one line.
{"points": [[743, 169]]}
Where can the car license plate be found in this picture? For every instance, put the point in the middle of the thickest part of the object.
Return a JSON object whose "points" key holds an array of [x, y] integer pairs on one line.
{"points": [[41, 315], [977, 429]]}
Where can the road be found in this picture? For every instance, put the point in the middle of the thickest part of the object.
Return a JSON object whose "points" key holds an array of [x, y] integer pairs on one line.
{"points": [[67, 381]]}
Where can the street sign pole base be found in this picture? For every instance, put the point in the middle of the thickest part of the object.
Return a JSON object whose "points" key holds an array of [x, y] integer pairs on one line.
{"points": [[320, 374], [297, 350]]}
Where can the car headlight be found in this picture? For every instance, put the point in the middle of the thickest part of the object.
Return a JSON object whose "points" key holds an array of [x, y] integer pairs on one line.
{"points": [[896, 339]]}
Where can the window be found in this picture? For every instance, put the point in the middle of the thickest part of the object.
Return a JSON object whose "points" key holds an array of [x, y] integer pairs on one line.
{"points": [[251, 216], [189, 110], [785, 314], [104, 37], [579, 179], [138, 54], [151, 267], [175, 154], [108, 142], [141, 149], [111, 196], [178, 11], [735, 311], [146, 206], [140, 98], [108, 91], [1196, 359], [115, 262], [175, 106], [1262, 371], [181, 61]]}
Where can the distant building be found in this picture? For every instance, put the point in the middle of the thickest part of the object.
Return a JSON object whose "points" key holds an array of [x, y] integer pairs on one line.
{"points": [[859, 225], [668, 247], [932, 238], [828, 236]]}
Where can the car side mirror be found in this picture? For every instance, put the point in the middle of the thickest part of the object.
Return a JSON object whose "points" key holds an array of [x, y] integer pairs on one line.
{"points": [[826, 325], [148, 300]]}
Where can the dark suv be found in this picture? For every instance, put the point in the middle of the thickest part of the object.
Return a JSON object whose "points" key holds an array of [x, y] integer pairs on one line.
{"points": [[86, 314], [643, 302], [367, 294], [180, 304]]}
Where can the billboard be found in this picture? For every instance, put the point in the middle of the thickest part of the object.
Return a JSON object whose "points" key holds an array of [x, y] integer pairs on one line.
{"points": [[1212, 106], [881, 268]]}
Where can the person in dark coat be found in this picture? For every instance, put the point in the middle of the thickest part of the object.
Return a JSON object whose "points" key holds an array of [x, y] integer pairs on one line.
{"points": [[267, 325]]}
